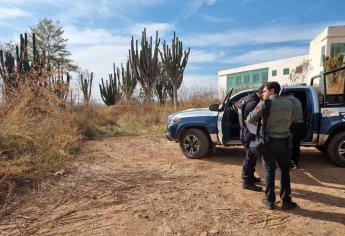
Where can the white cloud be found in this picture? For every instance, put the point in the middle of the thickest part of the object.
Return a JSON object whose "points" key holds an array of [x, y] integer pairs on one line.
{"points": [[195, 5], [266, 34], [99, 59], [199, 56], [97, 49], [216, 19], [12, 13], [151, 29], [91, 36], [196, 81], [268, 54]]}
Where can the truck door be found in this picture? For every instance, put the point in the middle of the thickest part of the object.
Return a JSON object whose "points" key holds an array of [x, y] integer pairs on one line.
{"points": [[223, 107], [228, 122], [307, 99]]}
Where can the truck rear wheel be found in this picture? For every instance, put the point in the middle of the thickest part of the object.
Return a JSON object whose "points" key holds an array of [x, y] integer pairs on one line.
{"points": [[194, 143], [336, 149]]}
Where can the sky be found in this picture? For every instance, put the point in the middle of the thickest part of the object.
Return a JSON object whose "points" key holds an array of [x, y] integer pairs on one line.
{"points": [[222, 34]]}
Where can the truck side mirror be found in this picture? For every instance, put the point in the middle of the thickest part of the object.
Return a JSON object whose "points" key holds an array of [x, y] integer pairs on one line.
{"points": [[214, 107]]}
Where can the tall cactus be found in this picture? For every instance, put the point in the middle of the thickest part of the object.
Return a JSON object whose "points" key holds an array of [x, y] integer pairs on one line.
{"points": [[7, 72], [144, 63], [162, 84], [14, 67], [174, 61], [128, 81], [111, 92], [86, 85]]}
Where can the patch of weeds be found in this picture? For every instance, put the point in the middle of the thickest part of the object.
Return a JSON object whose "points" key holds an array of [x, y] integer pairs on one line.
{"points": [[113, 130], [73, 149]]}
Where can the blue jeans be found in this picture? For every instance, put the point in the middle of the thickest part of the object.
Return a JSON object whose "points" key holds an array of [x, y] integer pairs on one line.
{"points": [[248, 166]]}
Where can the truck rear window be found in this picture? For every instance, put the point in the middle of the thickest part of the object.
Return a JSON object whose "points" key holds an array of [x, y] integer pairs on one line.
{"points": [[334, 88]]}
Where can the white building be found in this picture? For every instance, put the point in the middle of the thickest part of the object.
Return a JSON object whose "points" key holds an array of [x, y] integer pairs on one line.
{"points": [[330, 42]]}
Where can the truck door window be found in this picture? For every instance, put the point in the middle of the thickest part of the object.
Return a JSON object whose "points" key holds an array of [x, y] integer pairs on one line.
{"points": [[335, 88]]}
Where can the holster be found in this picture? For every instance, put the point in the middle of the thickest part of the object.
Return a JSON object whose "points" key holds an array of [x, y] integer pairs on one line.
{"points": [[248, 138], [258, 147]]}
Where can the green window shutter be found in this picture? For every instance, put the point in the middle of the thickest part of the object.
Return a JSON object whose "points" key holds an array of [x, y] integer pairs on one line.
{"points": [[246, 79], [286, 71], [274, 72], [255, 78], [238, 79]]}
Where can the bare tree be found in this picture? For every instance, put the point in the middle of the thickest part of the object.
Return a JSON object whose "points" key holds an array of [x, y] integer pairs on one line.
{"points": [[8, 47], [300, 74], [51, 41]]}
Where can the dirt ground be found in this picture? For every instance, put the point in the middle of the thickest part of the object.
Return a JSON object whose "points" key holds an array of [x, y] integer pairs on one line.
{"points": [[145, 186]]}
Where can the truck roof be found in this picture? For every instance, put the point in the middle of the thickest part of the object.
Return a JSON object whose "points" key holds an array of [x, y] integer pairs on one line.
{"points": [[308, 87]]}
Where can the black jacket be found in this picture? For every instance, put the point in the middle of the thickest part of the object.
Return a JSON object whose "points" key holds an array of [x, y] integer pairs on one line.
{"points": [[248, 104]]}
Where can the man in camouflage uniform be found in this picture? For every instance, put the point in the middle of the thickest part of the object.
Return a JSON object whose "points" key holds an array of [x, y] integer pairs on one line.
{"points": [[276, 132]]}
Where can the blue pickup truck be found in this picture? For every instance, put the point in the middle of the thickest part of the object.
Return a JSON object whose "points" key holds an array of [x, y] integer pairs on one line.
{"points": [[200, 130]]}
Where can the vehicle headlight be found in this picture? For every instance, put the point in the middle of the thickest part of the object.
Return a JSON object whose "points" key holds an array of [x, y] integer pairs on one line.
{"points": [[175, 119]]}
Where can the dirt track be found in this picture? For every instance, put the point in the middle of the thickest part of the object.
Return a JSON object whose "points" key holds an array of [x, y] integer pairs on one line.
{"points": [[144, 186]]}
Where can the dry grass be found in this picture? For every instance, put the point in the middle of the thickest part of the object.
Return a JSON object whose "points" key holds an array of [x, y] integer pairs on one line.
{"points": [[150, 119], [38, 138]]}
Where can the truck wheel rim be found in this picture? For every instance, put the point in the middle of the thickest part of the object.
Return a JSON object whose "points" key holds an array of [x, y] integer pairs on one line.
{"points": [[191, 144], [341, 150]]}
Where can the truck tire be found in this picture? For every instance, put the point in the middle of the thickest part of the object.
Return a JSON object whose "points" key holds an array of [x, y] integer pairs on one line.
{"points": [[336, 149], [194, 143], [322, 149]]}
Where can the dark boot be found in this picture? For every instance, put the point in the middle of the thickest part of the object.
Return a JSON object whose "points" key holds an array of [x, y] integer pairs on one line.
{"points": [[288, 205], [252, 187], [256, 179]]}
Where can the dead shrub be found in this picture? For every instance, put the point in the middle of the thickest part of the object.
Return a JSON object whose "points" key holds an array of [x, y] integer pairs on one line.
{"points": [[34, 134], [38, 135]]}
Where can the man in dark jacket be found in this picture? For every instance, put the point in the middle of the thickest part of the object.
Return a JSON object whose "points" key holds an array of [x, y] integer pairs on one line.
{"points": [[248, 105]]}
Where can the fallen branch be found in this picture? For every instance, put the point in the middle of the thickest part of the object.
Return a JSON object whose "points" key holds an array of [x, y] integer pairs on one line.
{"points": [[265, 222], [118, 181], [63, 200]]}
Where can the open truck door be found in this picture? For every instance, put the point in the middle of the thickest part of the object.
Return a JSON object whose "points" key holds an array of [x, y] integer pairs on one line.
{"points": [[221, 110]]}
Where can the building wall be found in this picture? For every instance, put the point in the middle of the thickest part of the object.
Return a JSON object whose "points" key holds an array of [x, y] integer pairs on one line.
{"points": [[329, 36], [315, 54], [279, 66], [319, 46], [221, 86]]}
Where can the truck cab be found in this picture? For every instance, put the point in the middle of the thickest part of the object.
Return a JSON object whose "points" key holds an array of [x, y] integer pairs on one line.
{"points": [[323, 103]]}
